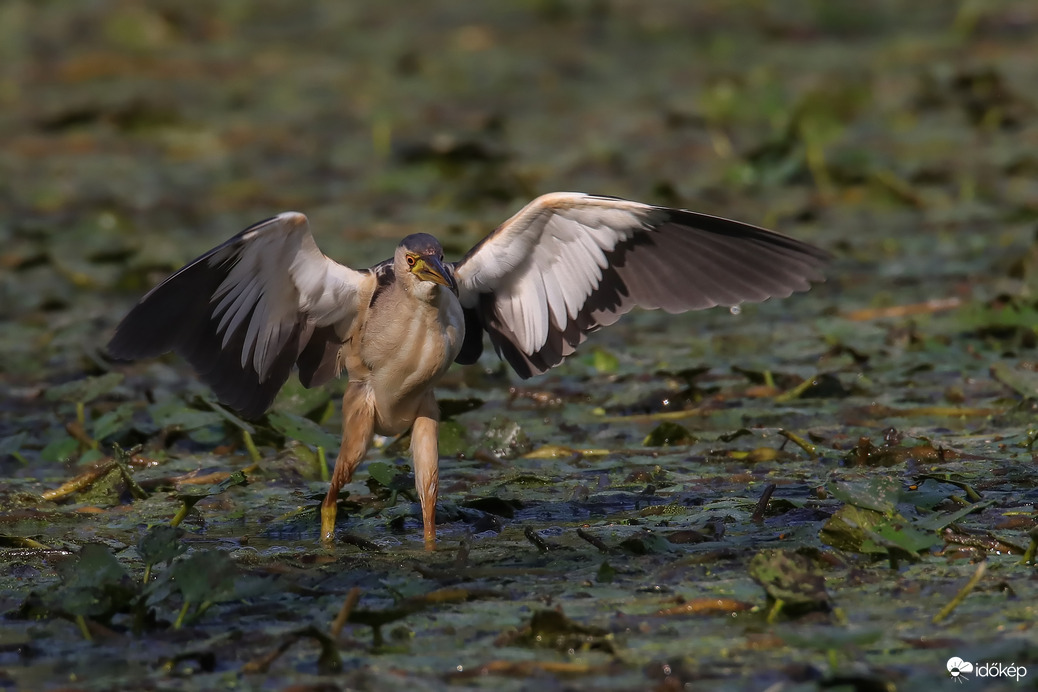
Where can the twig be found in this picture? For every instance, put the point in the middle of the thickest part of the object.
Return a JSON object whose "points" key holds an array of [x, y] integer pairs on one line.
{"points": [[83, 629], [762, 504], [597, 542], [924, 308], [250, 446], [963, 593], [795, 392], [1029, 554], [83, 480], [122, 458], [354, 539], [531, 535], [811, 450], [707, 605], [461, 560], [328, 662], [344, 612]]}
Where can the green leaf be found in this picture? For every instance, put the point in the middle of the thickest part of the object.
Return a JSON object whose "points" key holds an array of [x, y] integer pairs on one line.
{"points": [[176, 415], [790, 577], [236, 478], [96, 565], [112, 422], [452, 439], [879, 493], [205, 576], [60, 449], [505, 438], [384, 474], [161, 544], [302, 429], [296, 399], [862, 530], [12, 444], [192, 498], [900, 534], [668, 434], [849, 527], [937, 522], [1023, 381], [85, 390], [603, 361], [94, 585], [210, 400]]}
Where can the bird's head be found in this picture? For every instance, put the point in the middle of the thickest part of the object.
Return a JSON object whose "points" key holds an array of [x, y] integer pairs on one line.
{"points": [[419, 257]]}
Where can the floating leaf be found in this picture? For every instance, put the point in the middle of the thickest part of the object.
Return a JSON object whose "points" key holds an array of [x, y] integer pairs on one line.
{"points": [[302, 429], [115, 421], [207, 576], [552, 629], [387, 475], [862, 530], [603, 361], [177, 415], [60, 449], [453, 438], [161, 544], [85, 390], [793, 579], [504, 438], [902, 534], [192, 498], [879, 493], [668, 434], [12, 444], [646, 544], [937, 522], [494, 505], [94, 585]]}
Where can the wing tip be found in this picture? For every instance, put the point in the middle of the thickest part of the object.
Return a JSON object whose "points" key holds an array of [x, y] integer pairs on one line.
{"points": [[293, 218]]}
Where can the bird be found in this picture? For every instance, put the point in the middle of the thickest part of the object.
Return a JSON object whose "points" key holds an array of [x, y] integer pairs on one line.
{"points": [[267, 300]]}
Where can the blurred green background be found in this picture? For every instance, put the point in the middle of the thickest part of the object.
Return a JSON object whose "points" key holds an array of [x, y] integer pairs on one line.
{"points": [[901, 136]]}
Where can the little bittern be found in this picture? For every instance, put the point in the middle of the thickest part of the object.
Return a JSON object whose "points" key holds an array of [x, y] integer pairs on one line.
{"points": [[246, 312]]}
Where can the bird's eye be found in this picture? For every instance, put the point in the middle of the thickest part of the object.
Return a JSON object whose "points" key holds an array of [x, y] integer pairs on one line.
{"points": [[410, 261]]}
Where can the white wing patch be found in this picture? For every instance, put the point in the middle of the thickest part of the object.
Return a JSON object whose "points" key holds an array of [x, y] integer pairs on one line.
{"points": [[544, 262], [279, 276]]}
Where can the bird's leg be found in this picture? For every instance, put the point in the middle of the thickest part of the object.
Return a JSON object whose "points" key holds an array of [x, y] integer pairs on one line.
{"points": [[426, 455], [358, 423]]}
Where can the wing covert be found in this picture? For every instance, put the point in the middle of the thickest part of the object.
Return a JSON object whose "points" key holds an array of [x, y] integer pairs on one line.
{"points": [[248, 310], [569, 263]]}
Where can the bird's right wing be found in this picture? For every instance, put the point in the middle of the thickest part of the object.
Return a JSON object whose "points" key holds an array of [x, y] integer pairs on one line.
{"points": [[568, 263], [245, 312]]}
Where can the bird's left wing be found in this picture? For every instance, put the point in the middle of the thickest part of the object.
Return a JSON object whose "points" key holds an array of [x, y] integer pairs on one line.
{"points": [[568, 263], [245, 312]]}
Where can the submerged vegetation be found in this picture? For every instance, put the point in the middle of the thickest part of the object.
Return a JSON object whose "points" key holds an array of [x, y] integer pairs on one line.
{"points": [[834, 490]]}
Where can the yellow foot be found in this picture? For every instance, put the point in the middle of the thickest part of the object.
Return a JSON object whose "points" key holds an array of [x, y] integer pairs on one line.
{"points": [[328, 523]]}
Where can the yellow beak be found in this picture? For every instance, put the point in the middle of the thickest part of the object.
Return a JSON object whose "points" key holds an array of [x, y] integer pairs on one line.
{"points": [[431, 269]]}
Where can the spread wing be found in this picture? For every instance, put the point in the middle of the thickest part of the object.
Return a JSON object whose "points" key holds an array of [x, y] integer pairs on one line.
{"points": [[243, 313], [569, 263]]}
